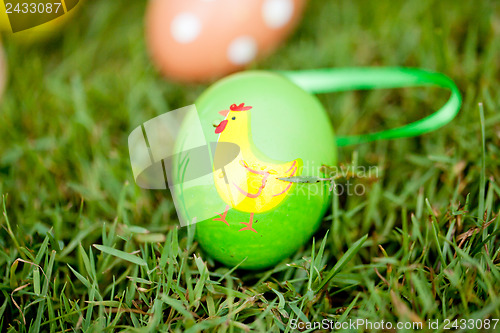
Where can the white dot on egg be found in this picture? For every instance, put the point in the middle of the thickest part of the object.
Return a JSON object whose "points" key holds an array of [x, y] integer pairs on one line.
{"points": [[242, 50], [277, 13], [185, 28]]}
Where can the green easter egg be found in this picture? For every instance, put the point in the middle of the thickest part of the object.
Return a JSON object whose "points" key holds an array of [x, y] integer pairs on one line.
{"points": [[273, 129]]}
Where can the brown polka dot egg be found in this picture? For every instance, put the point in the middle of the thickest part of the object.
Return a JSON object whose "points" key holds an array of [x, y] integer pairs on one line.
{"points": [[201, 40]]}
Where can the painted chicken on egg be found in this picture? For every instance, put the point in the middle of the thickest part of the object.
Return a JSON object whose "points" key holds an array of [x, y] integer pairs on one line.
{"points": [[250, 182]]}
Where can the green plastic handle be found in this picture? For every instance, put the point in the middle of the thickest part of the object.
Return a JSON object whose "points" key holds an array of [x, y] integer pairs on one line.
{"points": [[343, 79]]}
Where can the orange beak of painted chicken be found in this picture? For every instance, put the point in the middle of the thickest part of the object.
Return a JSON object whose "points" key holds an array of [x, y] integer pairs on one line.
{"points": [[222, 125]]}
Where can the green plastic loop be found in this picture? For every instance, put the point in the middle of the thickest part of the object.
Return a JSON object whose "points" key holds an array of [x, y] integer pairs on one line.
{"points": [[345, 79]]}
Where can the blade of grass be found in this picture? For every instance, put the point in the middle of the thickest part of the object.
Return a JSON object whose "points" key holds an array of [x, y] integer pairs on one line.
{"points": [[351, 252], [121, 254]]}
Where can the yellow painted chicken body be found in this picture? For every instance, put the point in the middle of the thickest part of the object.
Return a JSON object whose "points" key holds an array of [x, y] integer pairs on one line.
{"points": [[250, 182]]}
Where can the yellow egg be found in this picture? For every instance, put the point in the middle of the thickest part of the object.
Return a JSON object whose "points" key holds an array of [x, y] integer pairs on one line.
{"points": [[3, 71], [43, 31], [4, 19]]}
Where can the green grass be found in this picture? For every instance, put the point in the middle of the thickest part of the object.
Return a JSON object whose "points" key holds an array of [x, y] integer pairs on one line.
{"points": [[83, 248]]}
